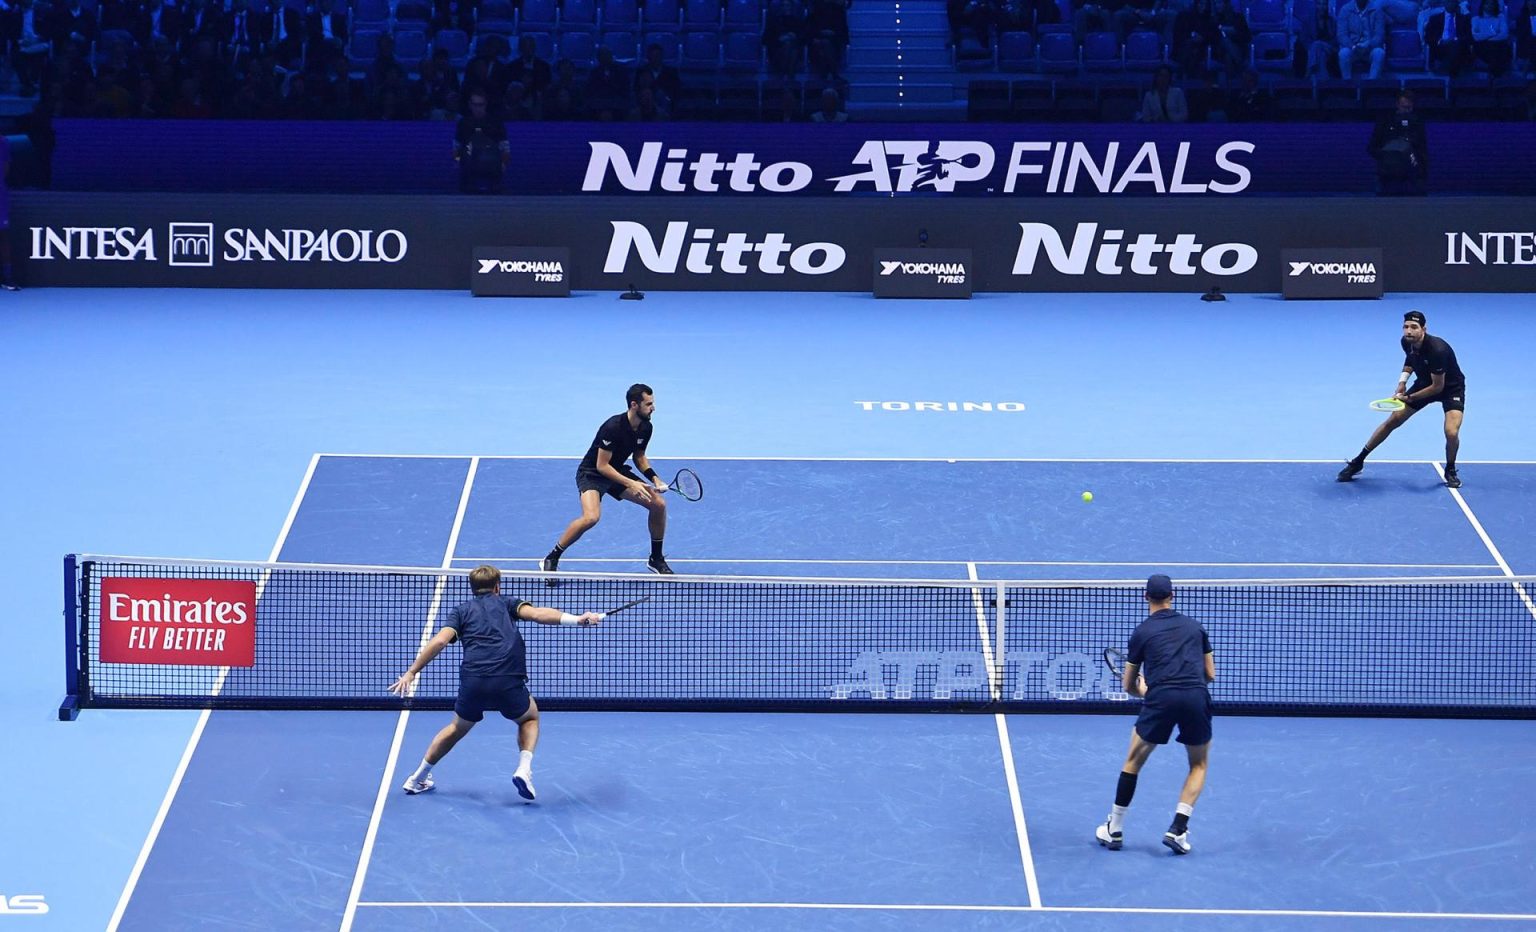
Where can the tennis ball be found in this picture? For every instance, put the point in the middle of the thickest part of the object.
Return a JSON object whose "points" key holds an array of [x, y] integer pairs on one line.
{"points": [[1087, 496]]}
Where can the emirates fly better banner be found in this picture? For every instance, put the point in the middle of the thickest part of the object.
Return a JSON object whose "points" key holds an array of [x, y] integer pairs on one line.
{"points": [[182, 622]]}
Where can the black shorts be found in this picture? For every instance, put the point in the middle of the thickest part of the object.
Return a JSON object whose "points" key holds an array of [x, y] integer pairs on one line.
{"points": [[592, 480], [1190, 709], [1451, 399], [481, 694]]}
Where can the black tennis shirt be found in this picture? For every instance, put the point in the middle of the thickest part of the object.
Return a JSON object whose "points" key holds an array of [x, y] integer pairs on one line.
{"points": [[616, 437], [1431, 356]]}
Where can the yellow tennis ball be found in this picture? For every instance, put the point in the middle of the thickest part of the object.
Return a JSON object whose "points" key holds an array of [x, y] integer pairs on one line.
{"points": [[1087, 496]]}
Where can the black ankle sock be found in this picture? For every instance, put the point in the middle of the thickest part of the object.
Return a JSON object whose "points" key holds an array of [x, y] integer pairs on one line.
{"points": [[1359, 459], [656, 548], [1125, 789], [554, 555], [1180, 823]]}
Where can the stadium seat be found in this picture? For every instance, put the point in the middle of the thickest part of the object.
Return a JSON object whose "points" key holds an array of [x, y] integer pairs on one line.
{"points": [[456, 43], [372, 15], [1144, 51], [668, 41], [661, 13], [578, 14], [701, 49], [623, 43], [743, 14], [413, 14], [363, 49], [579, 44], [1270, 51], [1101, 52], [1016, 52], [743, 50], [620, 14], [543, 44], [700, 13], [537, 15], [1058, 52], [1406, 53], [1267, 16], [410, 48]]}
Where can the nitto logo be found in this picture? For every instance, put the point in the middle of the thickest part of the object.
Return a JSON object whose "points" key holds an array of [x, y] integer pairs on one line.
{"points": [[121, 244], [23, 904], [191, 244], [1333, 268], [1143, 252], [732, 252], [706, 173]]}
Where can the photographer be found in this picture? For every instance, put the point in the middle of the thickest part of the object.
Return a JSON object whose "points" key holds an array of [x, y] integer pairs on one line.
{"points": [[1401, 150]]}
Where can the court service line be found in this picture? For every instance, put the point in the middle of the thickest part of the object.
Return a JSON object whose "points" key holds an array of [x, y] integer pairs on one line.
{"points": [[197, 730], [388, 776], [825, 562], [966, 908], [1487, 542]]}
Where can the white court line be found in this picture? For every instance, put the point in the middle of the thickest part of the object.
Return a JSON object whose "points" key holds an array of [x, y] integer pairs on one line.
{"points": [[1016, 801], [388, 775], [963, 908], [1488, 542], [826, 562], [994, 674], [900, 459], [197, 731]]}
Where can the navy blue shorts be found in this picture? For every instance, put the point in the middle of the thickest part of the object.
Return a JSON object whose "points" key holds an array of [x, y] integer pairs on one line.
{"points": [[481, 694], [1190, 709], [592, 480], [1449, 400]]}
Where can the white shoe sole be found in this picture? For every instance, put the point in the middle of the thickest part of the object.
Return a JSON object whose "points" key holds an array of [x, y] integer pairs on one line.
{"points": [[524, 786]]}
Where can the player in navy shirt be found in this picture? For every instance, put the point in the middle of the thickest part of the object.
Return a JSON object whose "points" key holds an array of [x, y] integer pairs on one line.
{"points": [[493, 675], [1436, 377], [602, 472], [1169, 662]]}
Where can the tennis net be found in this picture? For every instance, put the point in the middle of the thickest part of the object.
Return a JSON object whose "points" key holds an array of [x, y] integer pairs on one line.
{"points": [[161, 633]]}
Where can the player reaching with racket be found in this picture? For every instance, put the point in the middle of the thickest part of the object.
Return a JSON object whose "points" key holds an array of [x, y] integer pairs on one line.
{"points": [[493, 675], [1436, 377], [1169, 662], [602, 472]]}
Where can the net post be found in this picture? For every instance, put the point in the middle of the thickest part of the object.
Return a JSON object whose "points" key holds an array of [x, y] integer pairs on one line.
{"points": [[999, 659], [69, 708]]}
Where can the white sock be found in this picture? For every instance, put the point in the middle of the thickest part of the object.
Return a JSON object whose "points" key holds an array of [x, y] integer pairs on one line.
{"points": [[525, 762], [425, 770], [1116, 818], [1185, 809]]}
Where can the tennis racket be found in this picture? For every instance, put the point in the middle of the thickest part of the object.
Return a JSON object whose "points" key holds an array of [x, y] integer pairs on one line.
{"points": [[625, 606], [687, 484], [1115, 660], [1388, 404]]}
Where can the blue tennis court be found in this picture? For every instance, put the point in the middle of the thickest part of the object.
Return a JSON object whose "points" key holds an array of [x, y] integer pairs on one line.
{"points": [[668, 820]]}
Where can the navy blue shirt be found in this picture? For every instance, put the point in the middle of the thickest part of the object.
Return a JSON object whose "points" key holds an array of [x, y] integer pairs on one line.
{"points": [[1170, 648], [487, 627], [621, 442], [1431, 356]]}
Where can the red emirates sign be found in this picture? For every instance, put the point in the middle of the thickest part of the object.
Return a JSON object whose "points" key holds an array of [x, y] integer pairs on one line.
{"points": [[185, 622]]}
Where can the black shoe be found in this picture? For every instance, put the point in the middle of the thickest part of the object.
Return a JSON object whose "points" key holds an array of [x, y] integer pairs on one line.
{"points": [[1350, 471], [1452, 481], [659, 565], [550, 565]]}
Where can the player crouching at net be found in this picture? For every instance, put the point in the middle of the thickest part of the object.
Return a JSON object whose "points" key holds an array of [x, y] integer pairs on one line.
{"points": [[1171, 654], [493, 675]]}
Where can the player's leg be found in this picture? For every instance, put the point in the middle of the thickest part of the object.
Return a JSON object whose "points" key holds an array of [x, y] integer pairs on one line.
{"points": [[656, 521], [527, 740], [591, 513], [421, 780], [1195, 734], [1110, 832], [1383, 430], [1452, 445]]}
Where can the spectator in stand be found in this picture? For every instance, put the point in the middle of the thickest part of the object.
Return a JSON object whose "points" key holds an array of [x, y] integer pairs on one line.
{"points": [[564, 100], [1362, 37], [514, 103], [1401, 150], [1447, 31], [238, 37], [784, 37], [827, 27], [454, 14], [329, 31], [480, 147], [1316, 54], [1230, 48], [649, 107], [1490, 38], [1095, 15], [608, 87], [1164, 103], [74, 24], [831, 109], [1194, 35], [531, 71], [438, 80], [665, 81], [1250, 102], [27, 33], [1150, 15]]}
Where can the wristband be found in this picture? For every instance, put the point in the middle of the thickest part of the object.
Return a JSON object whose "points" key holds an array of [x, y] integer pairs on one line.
{"points": [[566, 618], [649, 473], [1402, 378]]}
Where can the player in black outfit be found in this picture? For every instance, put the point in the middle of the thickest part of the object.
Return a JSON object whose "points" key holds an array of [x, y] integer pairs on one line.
{"points": [[1436, 377], [1175, 653], [602, 471]]}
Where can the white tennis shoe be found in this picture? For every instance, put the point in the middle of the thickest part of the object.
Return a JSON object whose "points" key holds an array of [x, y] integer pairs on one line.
{"points": [[1178, 844], [414, 786], [523, 780], [1111, 840]]}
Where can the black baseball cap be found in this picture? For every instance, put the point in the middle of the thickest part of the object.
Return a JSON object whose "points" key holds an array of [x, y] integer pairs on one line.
{"points": [[1415, 316], [1159, 586]]}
